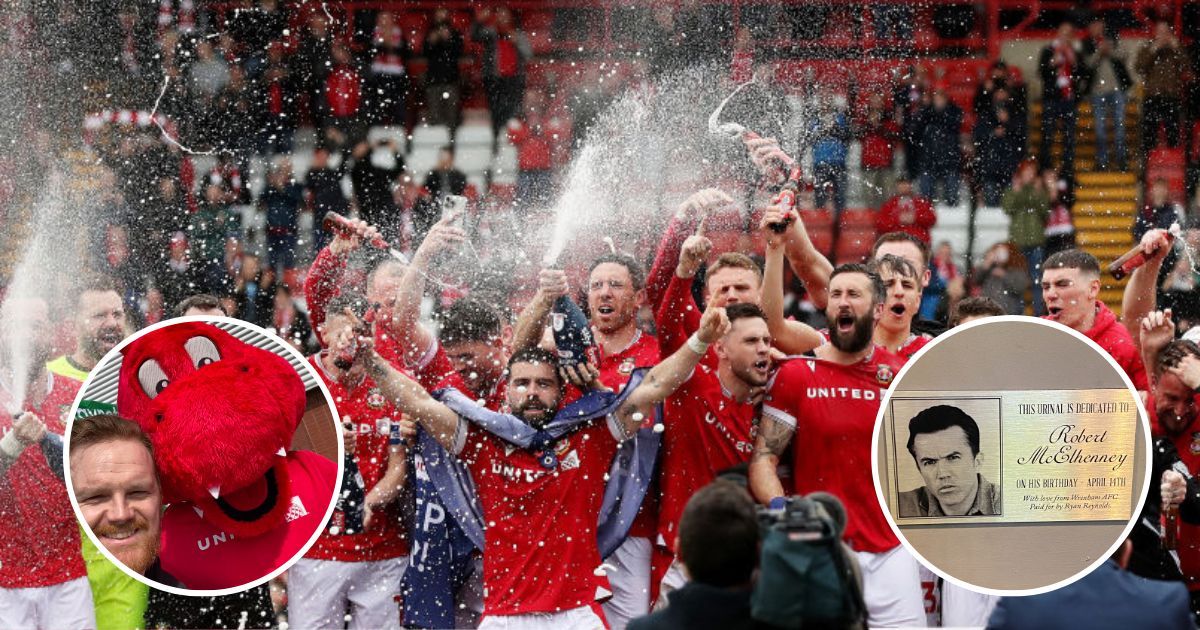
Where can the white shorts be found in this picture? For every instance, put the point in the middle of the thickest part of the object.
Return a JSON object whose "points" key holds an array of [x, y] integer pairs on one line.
{"points": [[630, 580], [67, 606], [319, 592], [892, 588], [582, 618], [674, 579], [964, 607]]}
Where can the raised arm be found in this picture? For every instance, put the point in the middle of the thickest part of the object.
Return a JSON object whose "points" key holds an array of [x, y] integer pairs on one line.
{"points": [[325, 276], [412, 399], [790, 337], [406, 311], [678, 315], [527, 332], [666, 260], [774, 435], [1139, 298], [666, 377]]}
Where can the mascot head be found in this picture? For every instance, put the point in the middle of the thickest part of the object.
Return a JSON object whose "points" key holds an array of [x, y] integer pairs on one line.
{"points": [[221, 415]]}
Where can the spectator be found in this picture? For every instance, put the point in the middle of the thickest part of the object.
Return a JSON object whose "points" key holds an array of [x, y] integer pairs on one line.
{"points": [[174, 278], [387, 80], [281, 202], [1163, 66], [829, 133], [1108, 597], [1000, 87], [937, 130], [1180, 289], [1160, 212], [535, 151], [1108, 81], [997, 149], [911, 95], [1028, 207], [1061, 72], [970, 309], [215, 231], [310, 62], [341, 102], [443, 48], [445, 179], [208, 73], [718, 544], [945, 273], [323, 191], [1060, 226], [289, 322], [1003, 278], [906, 212], [235, 118], [506, 50], [376, 168], [879, 135], [279, 89], [253, 291]]}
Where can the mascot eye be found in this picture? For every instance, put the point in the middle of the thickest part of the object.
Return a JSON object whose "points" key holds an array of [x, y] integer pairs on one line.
{"points": [[152, 378], [202, 351]]}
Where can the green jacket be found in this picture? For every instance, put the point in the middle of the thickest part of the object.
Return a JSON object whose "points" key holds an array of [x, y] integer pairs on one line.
{"points": [[1028, 208]]}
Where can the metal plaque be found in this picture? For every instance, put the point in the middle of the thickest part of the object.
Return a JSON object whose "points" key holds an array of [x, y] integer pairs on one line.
{"points": [[1010, 456]]}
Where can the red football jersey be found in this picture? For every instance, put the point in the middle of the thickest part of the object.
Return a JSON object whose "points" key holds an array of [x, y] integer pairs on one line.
{"points": [[913, 345], [540, 553], [833, 409], [1188, 445], [39, 536], [494, 400], [707, 431], [202, 556], [371, 414]]}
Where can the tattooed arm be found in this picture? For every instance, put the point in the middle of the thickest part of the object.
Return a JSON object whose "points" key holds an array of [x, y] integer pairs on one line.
{"points": [[774, 435]]}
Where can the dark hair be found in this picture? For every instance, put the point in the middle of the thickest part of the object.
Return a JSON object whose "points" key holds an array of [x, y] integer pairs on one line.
{"points": [[1173, 353], [535, 355], [895, 264], [1073, 259], [744, 310], [940, 418], [97, 283], [356, 302], [719, 535], [469, 320], [103, 428], [636, 276], [734, 260], [200, 300], [979, 306], [877, 288], [449, 148], [902, 237]]}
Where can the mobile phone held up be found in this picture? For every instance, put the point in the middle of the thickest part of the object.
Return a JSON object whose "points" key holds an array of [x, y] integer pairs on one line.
{"points": [[454, 205]]}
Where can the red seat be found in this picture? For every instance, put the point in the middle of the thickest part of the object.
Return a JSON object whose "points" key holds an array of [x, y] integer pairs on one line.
{"points": [[858, 218], [1168, 164], [854, 244]]}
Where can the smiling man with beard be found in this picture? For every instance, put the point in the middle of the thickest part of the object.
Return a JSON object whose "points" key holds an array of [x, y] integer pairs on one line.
{"points": [[99, 327], [117, 488], [830, 398]]}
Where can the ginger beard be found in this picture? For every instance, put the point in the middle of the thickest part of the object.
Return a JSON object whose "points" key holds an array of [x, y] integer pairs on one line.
{"points": [[120, 499]]}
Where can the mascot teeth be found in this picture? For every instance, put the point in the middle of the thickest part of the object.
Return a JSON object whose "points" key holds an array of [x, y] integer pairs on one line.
{"points": [[282, 452], [215, 491]]}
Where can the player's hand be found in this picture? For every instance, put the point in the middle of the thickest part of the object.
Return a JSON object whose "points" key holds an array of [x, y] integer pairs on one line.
{"points": [[1188, 370], [368, 516], [1173, 488], [349, 437], [713, 324], [1158, 329], [408, 429], [701, 204], [585, 376], [771, 161], [695, 252], [1156, 244], [361, 232], [29, 429], [444, 236], [777, 215], [552, 284]]}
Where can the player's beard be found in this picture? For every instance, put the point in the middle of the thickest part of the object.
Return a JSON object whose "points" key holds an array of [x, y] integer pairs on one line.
{"points": [[104, 340], [138, 558], [533, 404], [858, 338]]}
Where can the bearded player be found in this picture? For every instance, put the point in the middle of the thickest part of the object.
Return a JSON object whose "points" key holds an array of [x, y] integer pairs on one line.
{"points": [[830, 400]]}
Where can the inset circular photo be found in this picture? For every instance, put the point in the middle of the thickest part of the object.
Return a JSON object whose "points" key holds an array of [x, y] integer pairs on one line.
{"points": [[203, 456], [1012, 456]]}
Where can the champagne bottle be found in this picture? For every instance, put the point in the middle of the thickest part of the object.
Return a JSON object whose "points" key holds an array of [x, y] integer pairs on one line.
{"points": [[572, 333], [347, 518]]}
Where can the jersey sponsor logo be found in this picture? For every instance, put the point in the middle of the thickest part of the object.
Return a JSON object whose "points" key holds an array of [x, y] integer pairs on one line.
{"points": [[844, 392], [516, 473], [626, 366], [208, 542], [884, 374], [376, 399], [741, 446]]}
